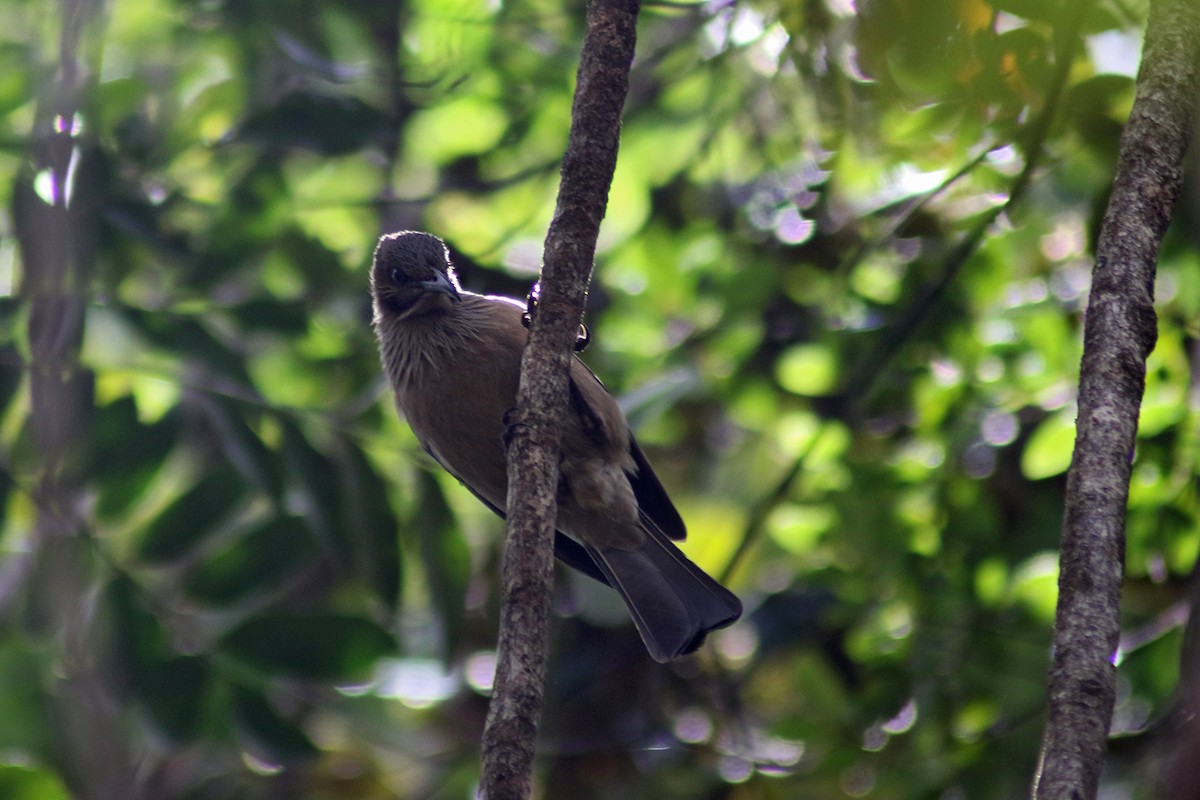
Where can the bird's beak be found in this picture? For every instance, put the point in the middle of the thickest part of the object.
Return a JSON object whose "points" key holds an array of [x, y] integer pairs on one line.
{"points": [[440, 283]]}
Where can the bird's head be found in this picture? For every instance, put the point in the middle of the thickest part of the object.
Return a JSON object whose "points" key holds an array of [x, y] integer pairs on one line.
{"points": [[412, 275]]}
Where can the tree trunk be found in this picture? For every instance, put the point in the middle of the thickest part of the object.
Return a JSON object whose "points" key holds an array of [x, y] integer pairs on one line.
{"points": [[1119, 333]]}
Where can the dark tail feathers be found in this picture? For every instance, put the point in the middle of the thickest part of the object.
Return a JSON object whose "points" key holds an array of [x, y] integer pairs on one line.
{"points": [[674, 604]]}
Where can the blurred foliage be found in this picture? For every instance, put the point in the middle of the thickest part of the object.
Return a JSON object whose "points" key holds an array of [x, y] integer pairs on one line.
{"points": [[839, 292]]}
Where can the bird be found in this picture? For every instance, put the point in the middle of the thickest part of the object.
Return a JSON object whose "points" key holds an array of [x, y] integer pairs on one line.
{"points": [[453, 359]]}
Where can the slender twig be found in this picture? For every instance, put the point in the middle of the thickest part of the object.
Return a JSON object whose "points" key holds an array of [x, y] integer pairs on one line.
{"points": [[587, 171]]}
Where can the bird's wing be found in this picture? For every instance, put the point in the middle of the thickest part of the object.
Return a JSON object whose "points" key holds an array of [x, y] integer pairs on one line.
{"points": [[602, 419], [566, 549], [653, 501]]}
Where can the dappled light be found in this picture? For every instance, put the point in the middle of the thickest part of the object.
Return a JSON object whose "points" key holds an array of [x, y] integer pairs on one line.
{"points": [[839, 293]]}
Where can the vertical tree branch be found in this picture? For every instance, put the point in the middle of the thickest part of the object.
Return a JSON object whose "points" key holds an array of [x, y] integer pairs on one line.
{"points": [[1119, 333], [55, 213], [587, 171]]}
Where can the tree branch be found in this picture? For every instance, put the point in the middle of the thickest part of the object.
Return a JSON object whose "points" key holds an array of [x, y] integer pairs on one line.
{"points": [[1119, 333], [55, 232], [587, 171]]}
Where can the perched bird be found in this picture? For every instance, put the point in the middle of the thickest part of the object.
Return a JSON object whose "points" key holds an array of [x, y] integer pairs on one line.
{"points": [[454, 358]]}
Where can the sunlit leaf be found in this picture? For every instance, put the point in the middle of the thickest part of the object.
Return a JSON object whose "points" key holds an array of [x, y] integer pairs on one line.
{"points": [[189, 338], [19, 782], [25, 727], [807, 369], [798, 528], [1035, 584], [1048, 451]]}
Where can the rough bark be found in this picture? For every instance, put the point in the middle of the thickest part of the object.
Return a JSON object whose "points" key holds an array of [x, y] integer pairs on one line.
{"points": [[587, 171], [1119, 333]]}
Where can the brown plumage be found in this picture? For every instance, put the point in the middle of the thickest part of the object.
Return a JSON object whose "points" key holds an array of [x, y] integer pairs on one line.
{"points": [[454, 359]]}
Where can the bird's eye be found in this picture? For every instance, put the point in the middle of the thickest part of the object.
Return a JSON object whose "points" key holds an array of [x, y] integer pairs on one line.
{"points": [[396, 275]]}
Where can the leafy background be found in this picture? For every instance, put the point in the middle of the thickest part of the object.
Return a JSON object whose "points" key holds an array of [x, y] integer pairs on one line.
{"points": [[838, 292]]}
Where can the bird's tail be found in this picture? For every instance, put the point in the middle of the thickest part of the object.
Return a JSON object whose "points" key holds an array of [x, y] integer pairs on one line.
{"points": [[674, 604]]}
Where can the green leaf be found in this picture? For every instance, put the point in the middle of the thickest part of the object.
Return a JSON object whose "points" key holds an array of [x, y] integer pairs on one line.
{"points": [[319, 268], [126, 455], [187, 337], [278, 739], [1035, 584], [797, 528], [26, 726], [15, 58], [243, 447], [326, 124], [318, 497], [318, 646], [807, 369], [138, 637], [192, 517], [1048, 451], [462, 127], [173, 693], [257, 562], [18, 782], [371, 525], [271, 314], [445, 558]]}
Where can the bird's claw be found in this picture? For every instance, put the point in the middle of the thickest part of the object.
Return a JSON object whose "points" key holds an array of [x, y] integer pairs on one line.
{"points": [[582, 339], [511, 423]]}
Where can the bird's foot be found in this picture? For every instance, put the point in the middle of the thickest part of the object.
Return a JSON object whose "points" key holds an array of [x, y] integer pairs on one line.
{"points": [[582, 339], [511, 423]]}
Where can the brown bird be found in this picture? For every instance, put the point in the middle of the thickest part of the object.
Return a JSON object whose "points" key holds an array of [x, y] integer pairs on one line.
{"points": [[454, 358]]}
